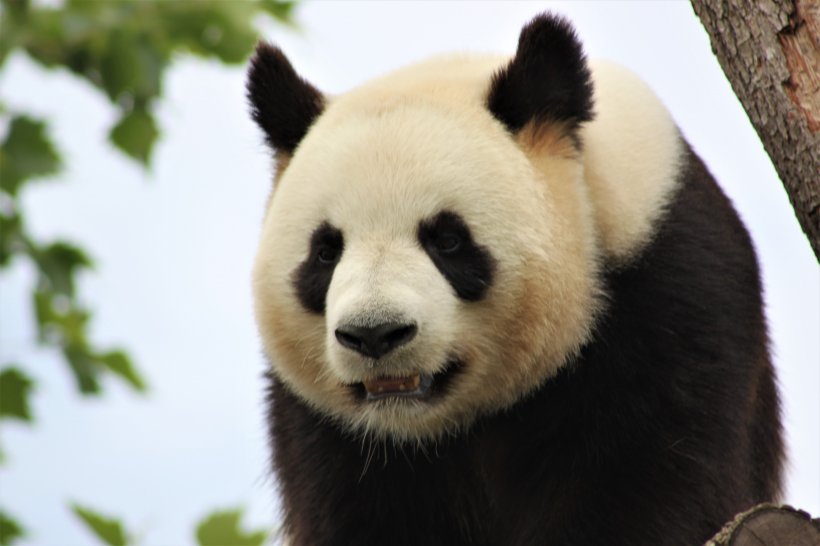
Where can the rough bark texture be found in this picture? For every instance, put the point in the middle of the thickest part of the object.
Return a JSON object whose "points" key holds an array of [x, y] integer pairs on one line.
{"points": [[770, 52], [769, 525]]}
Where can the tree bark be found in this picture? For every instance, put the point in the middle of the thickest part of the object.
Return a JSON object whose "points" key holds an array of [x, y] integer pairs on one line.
{"points": [[770, 52], [769, 525]]}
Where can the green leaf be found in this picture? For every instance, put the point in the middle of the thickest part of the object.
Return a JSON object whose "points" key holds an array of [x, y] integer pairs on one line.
{"points": [[108, 530], [10, 530], [282, 11], [136, 134], [119, 363], [43, 311], [11, 237], [40, 31], [59, 319], [15, 388], [212, 28], [62, 322], [59, 262], [10, 25], [222, 529], [131, 65], [85, 368], [26, 153]]}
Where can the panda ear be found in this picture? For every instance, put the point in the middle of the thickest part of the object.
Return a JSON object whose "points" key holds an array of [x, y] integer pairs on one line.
{"points": [[282, 103], [547, 81]]}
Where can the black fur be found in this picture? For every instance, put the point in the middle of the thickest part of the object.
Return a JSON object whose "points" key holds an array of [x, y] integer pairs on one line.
{"points": [[664, 428], [547, 80], [311, 279], [467, 266], [282, 103]]}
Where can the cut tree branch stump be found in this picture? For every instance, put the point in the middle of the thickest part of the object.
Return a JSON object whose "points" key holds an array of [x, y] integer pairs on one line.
{"points": [[769, 525], [770, 52]]}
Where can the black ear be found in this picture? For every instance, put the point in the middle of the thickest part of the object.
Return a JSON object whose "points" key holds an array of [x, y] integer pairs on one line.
{"points": [[547, 81], [283, 104]]}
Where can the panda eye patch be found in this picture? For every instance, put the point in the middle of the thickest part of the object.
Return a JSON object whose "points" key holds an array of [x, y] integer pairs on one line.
{"points": [[467, 266], [311, 279]]}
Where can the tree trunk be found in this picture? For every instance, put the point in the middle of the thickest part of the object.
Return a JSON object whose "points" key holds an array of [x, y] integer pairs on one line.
{"points": [[769, 525], [770, 52]]}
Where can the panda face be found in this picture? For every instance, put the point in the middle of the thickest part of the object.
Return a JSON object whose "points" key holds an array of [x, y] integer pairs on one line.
{"points": [[416, 269], [432, 249]]}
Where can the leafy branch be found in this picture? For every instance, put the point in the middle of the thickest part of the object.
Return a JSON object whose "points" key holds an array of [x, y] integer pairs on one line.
{"points": [[220, 528], [123, 49]]}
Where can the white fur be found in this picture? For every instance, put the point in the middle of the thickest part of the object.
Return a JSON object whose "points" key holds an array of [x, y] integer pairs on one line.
{"points": [[415, 142], [632, 156]]}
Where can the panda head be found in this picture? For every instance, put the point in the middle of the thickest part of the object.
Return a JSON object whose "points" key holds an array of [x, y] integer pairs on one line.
{"points": [[428, 253]]}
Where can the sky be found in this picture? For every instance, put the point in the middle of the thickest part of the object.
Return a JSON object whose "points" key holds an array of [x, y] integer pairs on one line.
{"points": [[174, 248]]}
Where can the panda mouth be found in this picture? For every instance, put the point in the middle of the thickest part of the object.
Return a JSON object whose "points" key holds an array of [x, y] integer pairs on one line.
{"points": [[411, 385], [416, 385]]}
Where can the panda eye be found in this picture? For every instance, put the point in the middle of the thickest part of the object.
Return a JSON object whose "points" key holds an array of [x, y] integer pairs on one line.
{"points": [[448, 243], [328, 255]]}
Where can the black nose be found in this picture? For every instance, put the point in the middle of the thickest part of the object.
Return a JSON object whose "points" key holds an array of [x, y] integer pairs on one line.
{"points": [[377, 341]]}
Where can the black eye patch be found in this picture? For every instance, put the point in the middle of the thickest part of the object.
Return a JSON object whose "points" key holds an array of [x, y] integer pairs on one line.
{"points": [[467, 266], [311, 279]]}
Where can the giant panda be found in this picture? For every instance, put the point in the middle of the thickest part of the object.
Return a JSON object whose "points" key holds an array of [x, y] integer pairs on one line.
{"points": [[505, 303]]}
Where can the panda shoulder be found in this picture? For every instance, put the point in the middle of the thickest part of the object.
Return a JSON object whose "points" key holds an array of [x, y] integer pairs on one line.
{"points": [[632, 153]]}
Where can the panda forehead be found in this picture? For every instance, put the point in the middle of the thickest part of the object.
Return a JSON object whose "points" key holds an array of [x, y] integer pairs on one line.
{"points": [[388, 167]]}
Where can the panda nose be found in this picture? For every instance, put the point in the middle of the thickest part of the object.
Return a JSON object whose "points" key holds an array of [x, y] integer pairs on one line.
{"points": [[377, 341]]}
